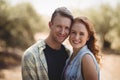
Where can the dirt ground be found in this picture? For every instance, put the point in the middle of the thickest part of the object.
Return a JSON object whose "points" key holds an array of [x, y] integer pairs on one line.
{"points": [[109, 69], [12, 74]]}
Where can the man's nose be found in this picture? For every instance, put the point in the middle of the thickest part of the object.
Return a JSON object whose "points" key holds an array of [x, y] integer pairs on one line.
{"points": [[62, 31]]}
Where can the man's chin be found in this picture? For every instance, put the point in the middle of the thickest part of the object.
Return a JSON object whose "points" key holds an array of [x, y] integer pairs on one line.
{"points": [[60, 41]]}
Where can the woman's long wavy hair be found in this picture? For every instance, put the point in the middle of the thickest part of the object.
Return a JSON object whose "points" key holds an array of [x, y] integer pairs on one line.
{"points": [[91, 43]]}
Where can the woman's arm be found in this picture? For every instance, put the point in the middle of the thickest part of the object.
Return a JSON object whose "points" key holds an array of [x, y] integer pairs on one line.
{"points": [[89, 68]]}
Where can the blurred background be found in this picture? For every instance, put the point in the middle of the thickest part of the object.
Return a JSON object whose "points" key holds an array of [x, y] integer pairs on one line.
{"points": [[23, 22]]}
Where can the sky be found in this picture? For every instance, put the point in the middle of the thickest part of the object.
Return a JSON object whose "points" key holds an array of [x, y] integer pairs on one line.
{"points": [[46, 7]]}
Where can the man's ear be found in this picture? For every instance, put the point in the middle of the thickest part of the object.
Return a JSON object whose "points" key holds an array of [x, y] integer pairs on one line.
{"points": [[50, 24]]}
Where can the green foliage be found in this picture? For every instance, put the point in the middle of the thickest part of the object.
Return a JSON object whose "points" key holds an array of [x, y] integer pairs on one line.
{"points": [[18, 24], [110, 25]]}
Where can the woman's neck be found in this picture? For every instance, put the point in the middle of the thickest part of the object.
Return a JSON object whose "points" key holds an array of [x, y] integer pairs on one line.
{"points": [[75, 51]]}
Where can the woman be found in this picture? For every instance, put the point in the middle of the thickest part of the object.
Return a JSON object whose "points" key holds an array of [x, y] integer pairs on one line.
{"points": [[83, 63]]}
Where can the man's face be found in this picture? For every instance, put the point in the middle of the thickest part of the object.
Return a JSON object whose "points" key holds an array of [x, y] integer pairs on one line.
{"points": [[60, 27]]}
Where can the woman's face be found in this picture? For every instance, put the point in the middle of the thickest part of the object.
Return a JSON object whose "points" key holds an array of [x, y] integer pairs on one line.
{"points": [[78, 35]]}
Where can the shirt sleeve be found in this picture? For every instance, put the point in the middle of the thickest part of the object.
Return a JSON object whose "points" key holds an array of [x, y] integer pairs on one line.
{"points": [[28, 67]]}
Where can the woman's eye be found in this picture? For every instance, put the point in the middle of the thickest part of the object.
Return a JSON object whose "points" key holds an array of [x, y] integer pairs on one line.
{"points": [[81, 34], [72, 32]]}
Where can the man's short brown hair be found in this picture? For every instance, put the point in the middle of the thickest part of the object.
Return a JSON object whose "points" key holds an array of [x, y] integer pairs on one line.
{"points": [[63, 11]]}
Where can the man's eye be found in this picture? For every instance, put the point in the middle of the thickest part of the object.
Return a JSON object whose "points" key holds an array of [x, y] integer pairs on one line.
{"points": [[67, 28], [58, 26]]}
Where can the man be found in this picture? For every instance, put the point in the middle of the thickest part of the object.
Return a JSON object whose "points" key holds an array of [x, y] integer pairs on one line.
{"points": [[45, 59]]}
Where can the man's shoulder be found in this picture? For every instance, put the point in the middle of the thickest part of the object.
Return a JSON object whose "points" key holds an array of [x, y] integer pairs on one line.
{"points": [[35, 47]]}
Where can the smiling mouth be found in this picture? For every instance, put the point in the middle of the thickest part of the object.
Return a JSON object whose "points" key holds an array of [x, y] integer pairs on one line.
{"points": [[61, 36], [75, 42]]}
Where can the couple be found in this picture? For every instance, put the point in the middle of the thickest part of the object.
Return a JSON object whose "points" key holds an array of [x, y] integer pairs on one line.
{"points": [[49, 59]]}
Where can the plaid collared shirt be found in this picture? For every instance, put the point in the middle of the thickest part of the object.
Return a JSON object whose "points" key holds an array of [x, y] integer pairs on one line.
{"points": [[34, 65]]}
